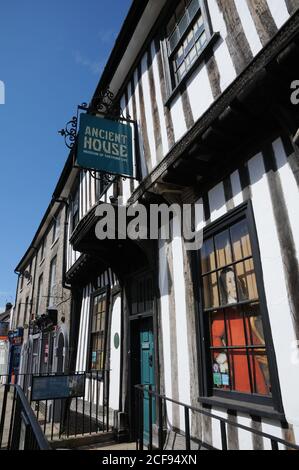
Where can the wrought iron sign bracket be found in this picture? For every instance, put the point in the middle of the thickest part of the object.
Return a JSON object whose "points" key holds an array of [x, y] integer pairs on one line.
{"points": [[102, 105], [71, 129]]}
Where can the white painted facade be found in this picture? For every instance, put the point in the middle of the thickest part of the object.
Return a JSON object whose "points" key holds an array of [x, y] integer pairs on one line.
{"points": [[135, 84]]}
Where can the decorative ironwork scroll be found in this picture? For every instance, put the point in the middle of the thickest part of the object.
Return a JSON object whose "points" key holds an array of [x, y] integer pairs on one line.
{"points": [[70, 131], [105, 104]]}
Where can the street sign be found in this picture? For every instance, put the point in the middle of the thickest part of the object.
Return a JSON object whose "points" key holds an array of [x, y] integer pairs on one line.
{"points": [[51, 387], [105, 145]]}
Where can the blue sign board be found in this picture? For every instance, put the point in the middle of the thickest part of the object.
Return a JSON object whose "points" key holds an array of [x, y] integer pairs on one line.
{"points": [[57, 386], [105, 145]]}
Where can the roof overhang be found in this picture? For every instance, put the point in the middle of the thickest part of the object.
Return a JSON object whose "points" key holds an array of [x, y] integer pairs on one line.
{"points": [[248, 110], [121, 254]]}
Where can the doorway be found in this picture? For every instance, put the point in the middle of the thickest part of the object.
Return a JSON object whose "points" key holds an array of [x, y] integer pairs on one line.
{"points": [[147, 373], [142, 349]]}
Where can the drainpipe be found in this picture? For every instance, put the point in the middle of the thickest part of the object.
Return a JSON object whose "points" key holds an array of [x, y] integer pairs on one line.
{"points": [[17, 291], [64, 268], [33, 280]]}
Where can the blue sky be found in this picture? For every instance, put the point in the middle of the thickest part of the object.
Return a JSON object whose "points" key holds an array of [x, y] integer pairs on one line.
{"points": [[52, 53]]}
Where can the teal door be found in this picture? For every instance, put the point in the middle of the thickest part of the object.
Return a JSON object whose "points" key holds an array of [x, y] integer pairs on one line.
{"points": [[147, 377]]}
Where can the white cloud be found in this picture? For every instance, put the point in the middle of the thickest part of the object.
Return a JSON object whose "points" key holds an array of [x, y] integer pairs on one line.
{"points": [[107, 36], [93, 65]]}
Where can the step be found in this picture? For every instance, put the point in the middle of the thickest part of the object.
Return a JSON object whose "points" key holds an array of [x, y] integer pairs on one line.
{"points": [[83, 441]]}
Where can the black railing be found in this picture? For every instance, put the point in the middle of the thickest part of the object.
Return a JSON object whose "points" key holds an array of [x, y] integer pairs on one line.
{"points": [[62, 418], [147, 400], [24, 431]]}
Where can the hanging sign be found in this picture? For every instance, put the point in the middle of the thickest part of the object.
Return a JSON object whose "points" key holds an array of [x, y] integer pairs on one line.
{"points": [[105, 145]]}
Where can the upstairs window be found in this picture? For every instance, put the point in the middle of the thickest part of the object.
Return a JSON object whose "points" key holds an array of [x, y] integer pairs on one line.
{"points": [[18, 316], [21, 282], [56, 229], [42, 250], [75, 209], [187, 35], [26, 311], [39, 294], [52, 298]]}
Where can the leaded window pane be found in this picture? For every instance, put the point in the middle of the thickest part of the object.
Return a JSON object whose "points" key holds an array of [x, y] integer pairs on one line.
{"points": [[231, 303]]}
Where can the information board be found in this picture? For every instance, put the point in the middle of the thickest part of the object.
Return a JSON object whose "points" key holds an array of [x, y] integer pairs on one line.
{"points": [[57, 386]]}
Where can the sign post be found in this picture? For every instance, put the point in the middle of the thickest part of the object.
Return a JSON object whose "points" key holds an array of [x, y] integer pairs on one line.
{"points": [[105, 145]]}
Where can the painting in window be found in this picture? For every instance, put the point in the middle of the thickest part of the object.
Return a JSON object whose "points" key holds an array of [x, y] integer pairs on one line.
{"points": [[231, 306]]}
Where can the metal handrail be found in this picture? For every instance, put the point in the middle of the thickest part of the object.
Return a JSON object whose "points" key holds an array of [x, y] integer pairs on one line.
{"points": [[34, 425], [21, 410], [223, 421], [69, 416]]}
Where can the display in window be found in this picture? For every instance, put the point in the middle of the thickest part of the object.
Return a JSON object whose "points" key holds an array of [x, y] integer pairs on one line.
{"points": [[247, 370], [231, 302], [231, 291]]}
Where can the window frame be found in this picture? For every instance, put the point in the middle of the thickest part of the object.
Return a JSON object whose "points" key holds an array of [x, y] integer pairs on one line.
{"points": [[40, 285], [105, 291], [42, 250], [172, 86], [51, 286], [207, 390], [75, 216], [18, 314], [27, 303], [56, 228]]}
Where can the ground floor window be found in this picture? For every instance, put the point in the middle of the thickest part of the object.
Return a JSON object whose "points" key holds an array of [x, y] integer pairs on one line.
{"points": [[47, 352], [232, 313], [99, 314]]}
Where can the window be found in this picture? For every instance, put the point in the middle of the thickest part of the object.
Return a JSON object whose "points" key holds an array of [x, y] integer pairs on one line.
{"points": [[46, 353], [18, 315], [233, 315], [21, 282], [187, 35], [56, 229], [26, 310], [29, 279], [75, 209], [39, 294], [42, 250], [98, 331], [52, 285]]}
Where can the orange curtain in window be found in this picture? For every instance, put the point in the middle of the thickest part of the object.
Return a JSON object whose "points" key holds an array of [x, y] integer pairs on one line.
{"points": [[238, 362]]}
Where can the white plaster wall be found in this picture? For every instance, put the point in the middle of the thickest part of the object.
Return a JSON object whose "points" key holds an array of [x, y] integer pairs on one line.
{"points": [[248, 26], [115, 355], [165, 313], [148, 109], [279, 11], [159, 100], [177, 115], [181, 320], [200, 92], [275, 288]]}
